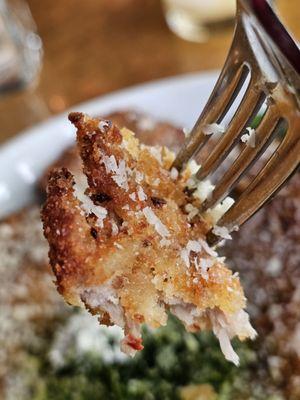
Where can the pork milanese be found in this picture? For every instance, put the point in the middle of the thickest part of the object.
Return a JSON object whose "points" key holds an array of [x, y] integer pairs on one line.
{"points": [[127, 244]]}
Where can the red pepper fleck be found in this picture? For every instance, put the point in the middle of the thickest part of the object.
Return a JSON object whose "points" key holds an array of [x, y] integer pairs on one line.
{"points": [[135, 343]]}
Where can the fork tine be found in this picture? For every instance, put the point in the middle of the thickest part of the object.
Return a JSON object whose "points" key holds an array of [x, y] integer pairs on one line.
{"points": [[281, 165], [250, 105], [267, 129], [225, 91]]}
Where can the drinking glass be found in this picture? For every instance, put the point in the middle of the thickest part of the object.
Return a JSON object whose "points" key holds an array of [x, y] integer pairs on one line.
{"points": [[20, 47], [196, 19]]}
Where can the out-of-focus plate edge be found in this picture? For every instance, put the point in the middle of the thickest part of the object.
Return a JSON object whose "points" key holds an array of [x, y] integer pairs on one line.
{"points": [[23, 159]]}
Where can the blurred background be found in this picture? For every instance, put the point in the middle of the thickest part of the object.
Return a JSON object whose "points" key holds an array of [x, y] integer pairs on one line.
{"points": [[94, 47], [54, 55]]}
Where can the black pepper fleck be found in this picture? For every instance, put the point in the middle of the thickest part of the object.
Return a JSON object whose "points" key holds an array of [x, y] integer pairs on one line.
{"points": [[146, 243], [94, 233], [100, 198], [157, 202]]}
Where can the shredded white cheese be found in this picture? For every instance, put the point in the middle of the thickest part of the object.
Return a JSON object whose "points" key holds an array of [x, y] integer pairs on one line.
{"points": [[192, 245], [88, 206], [211, 129], [205, 264], [191, 210], [132, 196], [222, 231], [174, 173], [185, 255], [114, 228], [155, 152], [153, 220], [220, 209], [208, 249], [186, 131], [204, 190], [139, 176], [193, 167], [249, 138], [165, 242], [103, 125], [141, 194], [118, 172]]}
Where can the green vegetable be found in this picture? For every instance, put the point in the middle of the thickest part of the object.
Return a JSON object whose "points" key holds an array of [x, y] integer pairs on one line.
{"points": [[171, 359]]}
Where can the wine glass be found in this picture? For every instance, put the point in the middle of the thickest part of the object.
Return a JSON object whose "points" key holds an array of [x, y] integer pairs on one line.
{"points": [[196, 20], [21, 48]]}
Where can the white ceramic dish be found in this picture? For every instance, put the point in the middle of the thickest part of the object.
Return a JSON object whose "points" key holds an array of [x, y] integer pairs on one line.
{"points": [[178, 100]]}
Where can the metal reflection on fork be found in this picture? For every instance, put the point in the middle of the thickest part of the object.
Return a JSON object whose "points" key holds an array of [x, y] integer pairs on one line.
{"points": [[263, 50]]}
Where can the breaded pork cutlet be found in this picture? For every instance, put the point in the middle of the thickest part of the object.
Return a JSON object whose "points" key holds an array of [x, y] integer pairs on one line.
{"points": [[127, 245], [148, 130]]}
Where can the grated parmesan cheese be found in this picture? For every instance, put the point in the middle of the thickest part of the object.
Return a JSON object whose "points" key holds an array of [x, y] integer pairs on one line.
{"points": [[165, 242], [191, 210], [118, 172], [204, 190], [186, 131], [205, 264], [152, 219], [208, 249], [114, 228], [185, 255], [193, 167], [139, 176], [141, 194], [249, 138], [220, 209], [211, 129], [174, 173], [155, 151], [222, 231], [132, 196], [192, 245], [103, 125], [88, 206]]}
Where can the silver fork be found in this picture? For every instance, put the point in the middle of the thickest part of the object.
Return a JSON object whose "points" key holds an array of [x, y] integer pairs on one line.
{"points": [[263, 49]]}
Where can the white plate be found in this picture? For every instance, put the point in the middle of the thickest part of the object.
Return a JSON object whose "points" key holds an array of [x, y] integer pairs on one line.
{"points": [[178, 100]]}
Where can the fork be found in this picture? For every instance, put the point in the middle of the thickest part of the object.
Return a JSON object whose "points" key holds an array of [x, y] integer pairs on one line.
{"points": [[263, 50]]}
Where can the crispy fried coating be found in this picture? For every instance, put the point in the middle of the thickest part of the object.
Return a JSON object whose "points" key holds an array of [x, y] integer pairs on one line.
{"points": [[146, 128], [122, 244]]}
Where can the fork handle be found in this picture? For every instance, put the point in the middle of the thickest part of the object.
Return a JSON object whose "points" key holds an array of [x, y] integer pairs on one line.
{"points": [[280, 36]]}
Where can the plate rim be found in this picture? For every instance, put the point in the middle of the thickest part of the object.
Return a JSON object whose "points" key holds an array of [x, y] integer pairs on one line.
{"points": [[91, 103], [24, 157]]}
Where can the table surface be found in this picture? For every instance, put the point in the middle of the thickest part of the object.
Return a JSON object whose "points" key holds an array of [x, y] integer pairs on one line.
{"points": [[93, 47]]}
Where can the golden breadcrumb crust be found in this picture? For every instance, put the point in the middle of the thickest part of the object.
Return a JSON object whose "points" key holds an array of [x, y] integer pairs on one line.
{"points": [[144, 245]]}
